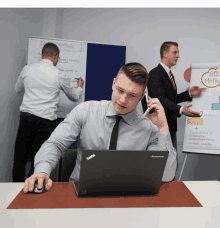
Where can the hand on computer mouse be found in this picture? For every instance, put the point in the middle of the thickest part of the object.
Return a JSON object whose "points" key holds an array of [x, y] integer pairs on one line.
{"points": [[37, 189], [40, 177]]}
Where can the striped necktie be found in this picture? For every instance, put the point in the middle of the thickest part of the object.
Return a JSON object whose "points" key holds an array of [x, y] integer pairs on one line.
{"points": [[172, 79]]}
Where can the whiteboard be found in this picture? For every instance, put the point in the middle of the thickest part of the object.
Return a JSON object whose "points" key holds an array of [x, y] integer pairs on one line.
{"points": [[202, 133], [73, 55]]}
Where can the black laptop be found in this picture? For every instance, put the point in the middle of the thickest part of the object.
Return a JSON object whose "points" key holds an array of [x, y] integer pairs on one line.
{"points": [[120, 173]]}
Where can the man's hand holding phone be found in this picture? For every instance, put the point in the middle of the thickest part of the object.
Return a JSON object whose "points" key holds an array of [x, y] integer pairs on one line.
{"points": [[158, 117]]}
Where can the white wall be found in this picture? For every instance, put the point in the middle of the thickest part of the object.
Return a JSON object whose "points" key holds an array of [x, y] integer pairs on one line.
{"points": [[16, 26], [141, 30], [144, 30]]}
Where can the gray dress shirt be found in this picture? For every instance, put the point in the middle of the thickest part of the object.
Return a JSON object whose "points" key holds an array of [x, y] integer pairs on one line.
{"points": [[92, 123]]}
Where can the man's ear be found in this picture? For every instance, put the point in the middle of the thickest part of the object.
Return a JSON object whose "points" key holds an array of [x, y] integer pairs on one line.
{"points": [[164, 53], [143, 95], [114, 81]]}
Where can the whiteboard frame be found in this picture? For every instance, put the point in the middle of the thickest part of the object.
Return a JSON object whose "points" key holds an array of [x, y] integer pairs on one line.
{"points": [[39, 37], [194, 151]]}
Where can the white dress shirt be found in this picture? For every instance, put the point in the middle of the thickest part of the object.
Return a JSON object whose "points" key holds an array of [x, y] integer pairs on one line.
{"points": [[41, 83], [167, 69], [91, 123]]}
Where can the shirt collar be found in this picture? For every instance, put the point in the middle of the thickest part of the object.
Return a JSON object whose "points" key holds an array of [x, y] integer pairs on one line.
{"points": [[128, 118], [47, 61], [166, 68]]}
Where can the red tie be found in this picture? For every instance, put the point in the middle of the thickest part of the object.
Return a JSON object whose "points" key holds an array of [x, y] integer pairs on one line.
{"points": [[172, 79]]}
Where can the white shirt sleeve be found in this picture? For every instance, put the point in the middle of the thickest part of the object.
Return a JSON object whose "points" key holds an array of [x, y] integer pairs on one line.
{"points": [[19, 86], [189, 93], [71, 92], [181, 110]]}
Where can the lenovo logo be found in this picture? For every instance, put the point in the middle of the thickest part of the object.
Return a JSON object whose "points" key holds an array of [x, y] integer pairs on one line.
{"points": [[157, 156]]}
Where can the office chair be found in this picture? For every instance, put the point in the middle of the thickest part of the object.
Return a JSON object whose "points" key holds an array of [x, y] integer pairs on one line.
{"points": [[67, 164]]}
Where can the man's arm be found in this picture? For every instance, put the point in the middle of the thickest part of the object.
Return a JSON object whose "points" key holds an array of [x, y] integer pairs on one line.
{"points": [[50, 152], [184, 96], [19, 86], [71, 92], [61, 139], [160, 137], [160, 141]]}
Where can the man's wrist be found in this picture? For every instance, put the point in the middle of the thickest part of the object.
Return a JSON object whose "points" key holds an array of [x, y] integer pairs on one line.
{"points": [[43, 168], [164, 130]]}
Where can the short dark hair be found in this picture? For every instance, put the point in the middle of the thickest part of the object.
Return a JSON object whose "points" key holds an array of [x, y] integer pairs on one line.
{"points": [[136, 72], [165, 47], [50, 48]]}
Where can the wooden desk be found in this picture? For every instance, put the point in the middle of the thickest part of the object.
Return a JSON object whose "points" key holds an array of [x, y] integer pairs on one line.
{"points": [[208, 216]]}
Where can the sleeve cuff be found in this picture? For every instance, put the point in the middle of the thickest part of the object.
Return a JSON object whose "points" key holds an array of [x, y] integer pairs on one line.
{"points": [[189, 93], [181, 110], [80, 91], [43, 168], [164, 141]]}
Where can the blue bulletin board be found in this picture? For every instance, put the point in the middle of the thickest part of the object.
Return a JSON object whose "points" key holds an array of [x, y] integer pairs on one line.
{"points": [[103, 64]]}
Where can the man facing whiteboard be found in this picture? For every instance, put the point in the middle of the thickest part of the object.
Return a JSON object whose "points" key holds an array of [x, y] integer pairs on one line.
{"points": [[41, 83]]}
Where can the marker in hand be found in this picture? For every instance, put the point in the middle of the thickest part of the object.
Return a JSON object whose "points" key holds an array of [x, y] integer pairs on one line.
{"points": [[80, 81]]}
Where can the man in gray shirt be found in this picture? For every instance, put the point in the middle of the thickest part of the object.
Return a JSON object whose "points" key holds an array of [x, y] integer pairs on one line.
{"points": [[92, 123]]}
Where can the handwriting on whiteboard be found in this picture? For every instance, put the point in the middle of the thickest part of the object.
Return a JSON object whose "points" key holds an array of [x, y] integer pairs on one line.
{"points": [[72, 62]]}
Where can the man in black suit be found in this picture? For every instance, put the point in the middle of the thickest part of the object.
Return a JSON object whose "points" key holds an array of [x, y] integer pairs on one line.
{"points": [[162, 85]]}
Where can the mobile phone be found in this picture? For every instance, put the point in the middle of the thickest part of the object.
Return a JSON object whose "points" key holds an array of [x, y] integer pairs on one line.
{"points": [[145, 106]]}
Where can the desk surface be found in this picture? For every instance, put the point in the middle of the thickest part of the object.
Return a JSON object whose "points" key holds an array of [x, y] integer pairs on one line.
{"points": [[208, 216]]}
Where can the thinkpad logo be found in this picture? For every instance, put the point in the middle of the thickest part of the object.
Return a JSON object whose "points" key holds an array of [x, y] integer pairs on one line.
{"points": [[157, 156], [90, 157]]}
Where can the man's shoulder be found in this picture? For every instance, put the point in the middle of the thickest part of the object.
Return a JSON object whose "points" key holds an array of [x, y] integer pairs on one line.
{"points": [[94, 104], [45, 64], [158, 70], [25, 69], [90, 107]]}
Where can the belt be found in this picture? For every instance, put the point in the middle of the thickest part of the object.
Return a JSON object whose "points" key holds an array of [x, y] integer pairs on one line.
{"points": [[26, 114], [29, 114]]}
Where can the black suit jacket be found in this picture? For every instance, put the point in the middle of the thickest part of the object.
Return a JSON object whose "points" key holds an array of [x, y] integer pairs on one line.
{"points": [[160, 86]]}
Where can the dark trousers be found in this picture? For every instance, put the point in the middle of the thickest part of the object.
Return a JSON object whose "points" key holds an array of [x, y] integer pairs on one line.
{"points": [[33, 131]]}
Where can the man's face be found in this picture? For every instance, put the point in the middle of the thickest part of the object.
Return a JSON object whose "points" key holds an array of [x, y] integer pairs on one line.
{"points": [[172, 55], [126, 94]]}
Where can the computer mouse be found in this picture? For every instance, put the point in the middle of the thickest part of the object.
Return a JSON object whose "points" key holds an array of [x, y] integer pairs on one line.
{"points": [[36, 190]]}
